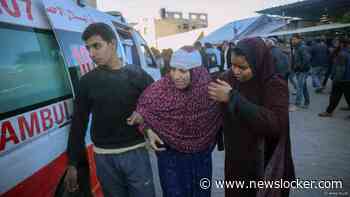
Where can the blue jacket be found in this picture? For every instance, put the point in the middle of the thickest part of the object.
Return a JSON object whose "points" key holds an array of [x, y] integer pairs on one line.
{"points": [[301, 58], [319, 55], [341, 65], [347, 69], [281, 60]]}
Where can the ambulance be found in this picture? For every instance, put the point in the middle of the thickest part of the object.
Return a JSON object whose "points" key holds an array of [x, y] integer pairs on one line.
{"points": [[42, 59]]}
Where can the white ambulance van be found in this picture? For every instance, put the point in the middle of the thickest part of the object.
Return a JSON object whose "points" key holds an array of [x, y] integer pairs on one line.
{"points": [[42, 59]]}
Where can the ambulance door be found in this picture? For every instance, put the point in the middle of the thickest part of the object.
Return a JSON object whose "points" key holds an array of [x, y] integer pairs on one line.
{"points": [[33, 87], [147, 59], [136, 52], [129, 46]]}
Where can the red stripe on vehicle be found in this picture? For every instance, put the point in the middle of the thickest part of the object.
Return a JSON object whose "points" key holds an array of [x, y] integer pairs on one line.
{"points": [[43, 183]]}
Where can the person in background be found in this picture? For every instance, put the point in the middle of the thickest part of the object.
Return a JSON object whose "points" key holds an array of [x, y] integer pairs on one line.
{"points": [[280, 59], [319, 63], [347, 48], [166, 55], [331, 48], [158, 56], [301, 57], [256, 120], [291, 75], [340, 76], [214, 58], [226, 62], [198, 45]]}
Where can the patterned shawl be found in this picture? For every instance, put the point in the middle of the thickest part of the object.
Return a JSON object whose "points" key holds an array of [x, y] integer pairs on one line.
{"points": [[186, 120]]}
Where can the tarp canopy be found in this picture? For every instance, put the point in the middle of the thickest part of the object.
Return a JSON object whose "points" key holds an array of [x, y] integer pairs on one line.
{"points": [[178, 40], [310, 9], [249, 27], [228, 31], [309, 29]]}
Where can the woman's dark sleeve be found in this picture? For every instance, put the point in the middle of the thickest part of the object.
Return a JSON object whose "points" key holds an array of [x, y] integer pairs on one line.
{"points": [[269, 119], [76, 140]]}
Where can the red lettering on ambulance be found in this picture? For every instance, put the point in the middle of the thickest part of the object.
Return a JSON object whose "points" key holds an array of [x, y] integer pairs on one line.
{"points": [[60, 10], [15, 12], [86, 57], [45, 115], [76, 55], [26, 130], [68, 115], [7, 134], [52, 10], [85, 54], [29, 9], [55, 113], [82, 57]]}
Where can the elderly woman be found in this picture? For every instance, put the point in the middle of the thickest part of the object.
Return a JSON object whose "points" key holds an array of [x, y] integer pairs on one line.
{"points": [[256, 122], [181, 123]]}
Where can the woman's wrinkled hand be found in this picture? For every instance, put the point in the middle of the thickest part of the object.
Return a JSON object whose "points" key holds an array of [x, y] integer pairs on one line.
{"points": [[155, 141]]}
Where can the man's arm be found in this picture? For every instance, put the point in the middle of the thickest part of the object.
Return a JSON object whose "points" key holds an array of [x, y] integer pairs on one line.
{"points": [[76, 141]]}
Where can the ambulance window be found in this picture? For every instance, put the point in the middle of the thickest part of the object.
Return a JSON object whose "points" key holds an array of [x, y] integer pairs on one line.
{"points": [[149, 58], [129, 47], [31, 68], [146, 52]]}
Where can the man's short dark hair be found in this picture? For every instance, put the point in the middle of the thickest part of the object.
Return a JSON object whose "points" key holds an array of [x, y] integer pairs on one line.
{"points": [[100, 29], [208, 45]]}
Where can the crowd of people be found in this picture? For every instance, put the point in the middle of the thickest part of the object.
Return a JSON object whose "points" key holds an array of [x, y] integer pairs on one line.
{"points": [[242, 108], [321, 59], [297, 60]]}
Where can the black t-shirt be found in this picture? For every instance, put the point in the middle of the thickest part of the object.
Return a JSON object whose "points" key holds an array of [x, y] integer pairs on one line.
{"points": [[111, 97]]}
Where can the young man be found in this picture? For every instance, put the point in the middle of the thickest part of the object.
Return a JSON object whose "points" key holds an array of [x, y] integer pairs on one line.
{"points": [[301, 57], [198, 45], [110, 93]]}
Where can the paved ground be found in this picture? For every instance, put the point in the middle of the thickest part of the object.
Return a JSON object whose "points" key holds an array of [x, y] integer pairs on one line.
{"points": [[321, 150], [321, 147]]}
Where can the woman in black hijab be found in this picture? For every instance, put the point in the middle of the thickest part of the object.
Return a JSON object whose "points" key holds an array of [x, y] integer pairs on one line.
{"points": [[256, 120]]}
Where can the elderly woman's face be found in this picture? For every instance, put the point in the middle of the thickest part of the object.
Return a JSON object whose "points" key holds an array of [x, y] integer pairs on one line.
{"points": [[241, 68], [180, 77]]}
